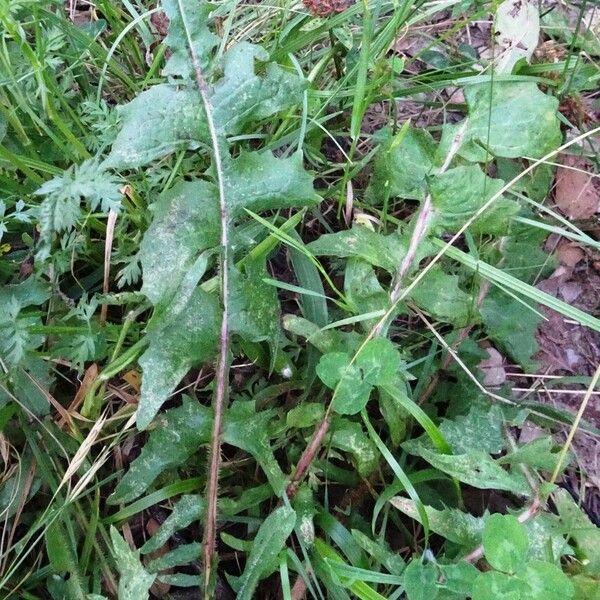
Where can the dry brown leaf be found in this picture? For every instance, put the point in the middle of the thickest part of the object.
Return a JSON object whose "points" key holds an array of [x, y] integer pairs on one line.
{"points": [[577, 194], [569, 253], [492, 367]]}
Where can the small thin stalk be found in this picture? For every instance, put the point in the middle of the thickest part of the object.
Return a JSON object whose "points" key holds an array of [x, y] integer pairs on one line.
{"points": [[423, 221], [222, 375]]}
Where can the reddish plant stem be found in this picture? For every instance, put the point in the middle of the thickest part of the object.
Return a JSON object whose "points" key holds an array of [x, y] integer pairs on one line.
{"points": [[308, 456], [531, 511], [222, 375]]}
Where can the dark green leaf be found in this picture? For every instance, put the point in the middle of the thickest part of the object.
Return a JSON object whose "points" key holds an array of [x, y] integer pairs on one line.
{"points": [[269, 541], [512, 325], [179, 433]]}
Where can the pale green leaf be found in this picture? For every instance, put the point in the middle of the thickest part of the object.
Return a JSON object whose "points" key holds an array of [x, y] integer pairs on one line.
{"points": [[512, 119], [362, 289], [350, 437], [457, 579], [505, 543], [186, 336], [400, 168], [493, 585], [556, 23], [379, 362], [512, 326], [420, 580], [156, 123], [546, 581], [181, 555], [475, 468], [586, 588], [330, 340], [351, 391], [585, 535], [167, 117], [259, 181], [479, 429], [305, 415], [185, 224], [517, 32], [203, 41], [386, 251], [541, 453], [134, 580], [253, 305], [188, 509], [246, 429], [453, 524], [380, 551], [546, 537], [269, 541], [459, 193]]}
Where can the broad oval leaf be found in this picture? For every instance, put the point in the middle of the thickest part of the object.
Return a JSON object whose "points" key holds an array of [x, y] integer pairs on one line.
{"points": [[505, 543]]}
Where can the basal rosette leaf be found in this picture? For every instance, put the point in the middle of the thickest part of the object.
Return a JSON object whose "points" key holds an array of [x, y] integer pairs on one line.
{"points": [[361, 242], [174, 254], [170, 117], [440, 295], [185, 224], [377, 364], [186, 337], [181, 431], [196, 25], [135, 581], [459, 193], [401, 167], [512, 119]]}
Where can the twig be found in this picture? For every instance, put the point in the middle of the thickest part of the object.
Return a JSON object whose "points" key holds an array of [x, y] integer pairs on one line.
{"points": [[222, 374], [308, 456], [424, 220], [575, 426]]}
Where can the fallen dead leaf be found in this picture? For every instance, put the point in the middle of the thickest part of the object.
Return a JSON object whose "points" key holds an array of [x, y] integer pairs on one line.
{"points": [[569, 253], [492, 367], [577, 193]]}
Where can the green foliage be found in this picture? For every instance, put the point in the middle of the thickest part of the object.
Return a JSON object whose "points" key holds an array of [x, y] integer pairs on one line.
{"points": [[506, 549], [363, 450], [269, 541], [135, 581]]}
